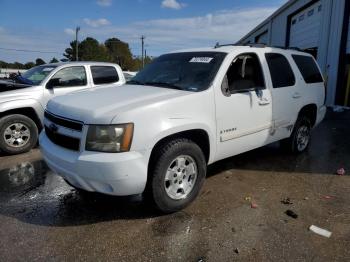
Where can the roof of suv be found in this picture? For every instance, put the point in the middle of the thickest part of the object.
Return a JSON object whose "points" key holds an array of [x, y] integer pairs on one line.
{"points": [[80, 63], [244, 48]]}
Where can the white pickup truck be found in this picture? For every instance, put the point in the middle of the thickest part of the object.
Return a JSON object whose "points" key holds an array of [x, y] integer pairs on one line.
{"points": [[187, 109], [23, 99]]}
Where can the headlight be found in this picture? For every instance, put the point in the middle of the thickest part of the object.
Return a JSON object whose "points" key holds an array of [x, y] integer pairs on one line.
{"points": [[109, 138]]}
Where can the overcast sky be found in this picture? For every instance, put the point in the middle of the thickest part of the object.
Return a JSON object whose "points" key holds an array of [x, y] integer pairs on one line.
{"points": [[48, 26]]}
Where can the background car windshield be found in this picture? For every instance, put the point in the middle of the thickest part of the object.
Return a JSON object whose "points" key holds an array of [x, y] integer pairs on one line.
{"points": [[37, 74], [190, 71]]}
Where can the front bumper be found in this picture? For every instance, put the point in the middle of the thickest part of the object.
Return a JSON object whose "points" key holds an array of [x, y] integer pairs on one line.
{"points": [[109, 173]]}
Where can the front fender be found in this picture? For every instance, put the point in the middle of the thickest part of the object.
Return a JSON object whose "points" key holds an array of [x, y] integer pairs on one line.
{"points": [[188, 125], [23, 103]]}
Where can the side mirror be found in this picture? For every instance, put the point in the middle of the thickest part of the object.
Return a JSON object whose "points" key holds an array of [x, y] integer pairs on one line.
{"points": [[52, 83]]}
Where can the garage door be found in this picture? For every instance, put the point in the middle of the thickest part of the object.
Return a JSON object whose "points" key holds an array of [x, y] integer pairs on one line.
{"points": [[305, 27]]}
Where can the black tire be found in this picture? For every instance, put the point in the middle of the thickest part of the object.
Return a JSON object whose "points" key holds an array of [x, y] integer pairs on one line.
{"points": [[164, 157], [29, 124], [293, 144]]}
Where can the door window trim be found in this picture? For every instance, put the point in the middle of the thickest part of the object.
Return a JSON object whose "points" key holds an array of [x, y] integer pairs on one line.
{"points": [[247, 90], [290, 66], [82, 66], [116, 70]]}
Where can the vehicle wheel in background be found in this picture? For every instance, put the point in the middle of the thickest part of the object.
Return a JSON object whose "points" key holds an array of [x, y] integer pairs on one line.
{"points": [[18, 134], [177, 176]]}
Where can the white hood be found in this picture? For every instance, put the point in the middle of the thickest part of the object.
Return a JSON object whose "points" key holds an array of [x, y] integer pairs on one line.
{"points": [[100, 106]]}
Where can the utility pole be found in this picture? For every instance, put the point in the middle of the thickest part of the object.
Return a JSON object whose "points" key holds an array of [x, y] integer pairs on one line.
{"points": [[77, 29], [143, 46]]}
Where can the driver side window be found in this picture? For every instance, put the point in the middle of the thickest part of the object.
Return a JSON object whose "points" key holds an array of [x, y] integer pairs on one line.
{"points": [[244, 74], [70, 76]]}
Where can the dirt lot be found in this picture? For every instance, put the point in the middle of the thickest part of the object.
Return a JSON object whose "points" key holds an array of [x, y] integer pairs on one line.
{"points": [[42, 218]]}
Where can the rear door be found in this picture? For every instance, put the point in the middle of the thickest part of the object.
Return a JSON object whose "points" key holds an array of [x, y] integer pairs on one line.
{"points": [[286, 94]]}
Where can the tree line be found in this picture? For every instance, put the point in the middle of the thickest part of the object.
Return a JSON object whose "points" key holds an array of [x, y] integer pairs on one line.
{"points": [[112, 50], [28, 65]]}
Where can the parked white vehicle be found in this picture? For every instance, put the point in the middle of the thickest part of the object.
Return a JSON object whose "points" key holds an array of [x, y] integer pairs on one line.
{"points": [[187, 109], [23, 100], [129, 75]]}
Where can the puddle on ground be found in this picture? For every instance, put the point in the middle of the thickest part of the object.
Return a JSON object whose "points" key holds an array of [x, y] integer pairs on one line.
{"points": [[32, 193], [22, 177]]}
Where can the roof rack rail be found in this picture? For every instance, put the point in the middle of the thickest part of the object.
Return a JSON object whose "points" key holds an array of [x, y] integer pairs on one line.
{"points": [[217, 45], [295, 48], [259, 45]]}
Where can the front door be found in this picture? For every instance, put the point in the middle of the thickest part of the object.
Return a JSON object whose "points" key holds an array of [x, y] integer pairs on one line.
{"points": [[66, 80], [244, 107]]}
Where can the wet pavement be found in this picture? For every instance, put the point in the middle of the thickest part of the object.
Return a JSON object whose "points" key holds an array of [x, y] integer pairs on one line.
{"points": [[42, 218]]}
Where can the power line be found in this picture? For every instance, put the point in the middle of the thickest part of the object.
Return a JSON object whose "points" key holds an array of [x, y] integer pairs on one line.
{"points": [[31, 51]]}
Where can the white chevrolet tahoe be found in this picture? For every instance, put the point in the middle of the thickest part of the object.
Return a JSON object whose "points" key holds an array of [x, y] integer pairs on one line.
{"points": [[24, 98], [187, 109]]}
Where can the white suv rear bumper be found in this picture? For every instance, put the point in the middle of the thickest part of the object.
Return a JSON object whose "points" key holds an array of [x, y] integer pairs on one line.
{"points": [[109, 173]]}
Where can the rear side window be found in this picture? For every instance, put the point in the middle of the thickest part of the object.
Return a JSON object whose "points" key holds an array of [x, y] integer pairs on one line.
{"points": [[104, 74], [308, 69], [281, 73]]}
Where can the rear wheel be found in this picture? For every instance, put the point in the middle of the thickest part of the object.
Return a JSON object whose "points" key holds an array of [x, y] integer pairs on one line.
{"points": [[300, 138], [18, 134], [178, 175]]}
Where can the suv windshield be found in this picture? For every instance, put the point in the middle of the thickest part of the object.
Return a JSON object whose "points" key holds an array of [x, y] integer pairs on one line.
{"points": [[190, 71], [36, 75]]}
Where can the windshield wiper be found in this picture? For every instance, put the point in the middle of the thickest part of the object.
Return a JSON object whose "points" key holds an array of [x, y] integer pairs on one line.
{"points": [[135, 82], [164, 84]]}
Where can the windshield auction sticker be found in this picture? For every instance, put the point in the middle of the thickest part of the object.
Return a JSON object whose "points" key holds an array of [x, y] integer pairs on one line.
{"points": [[201, 59]]}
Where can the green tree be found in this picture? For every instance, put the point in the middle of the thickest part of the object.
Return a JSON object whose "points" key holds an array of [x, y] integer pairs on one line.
{"points": [[88, 50], [17, 65], [54, 60], [29, 65], [39, 61], [119, 53], [70, 51], [137, 63], [3, 64], [92, 50]]}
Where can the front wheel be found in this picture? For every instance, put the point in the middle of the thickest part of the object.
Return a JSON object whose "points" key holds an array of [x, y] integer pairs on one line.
{"points": [[299, 140], [18, 134], [178, 175]]}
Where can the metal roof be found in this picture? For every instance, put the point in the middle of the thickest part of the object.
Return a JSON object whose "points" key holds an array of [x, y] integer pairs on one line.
{"points": [[267, 20]]}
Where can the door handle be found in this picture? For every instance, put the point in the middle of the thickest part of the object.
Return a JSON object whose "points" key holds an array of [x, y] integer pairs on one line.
{"points": [[264, 101], [296, 95]]}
